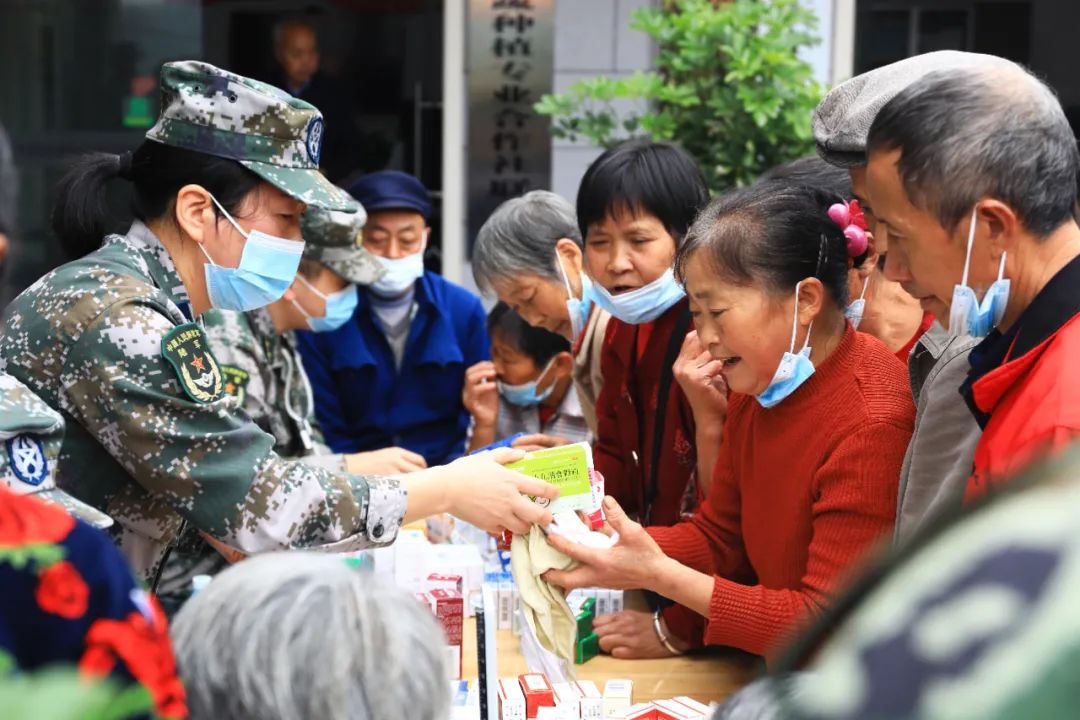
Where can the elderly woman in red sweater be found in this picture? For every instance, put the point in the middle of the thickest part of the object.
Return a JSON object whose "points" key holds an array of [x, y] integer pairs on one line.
{"points": [[818, 420]]}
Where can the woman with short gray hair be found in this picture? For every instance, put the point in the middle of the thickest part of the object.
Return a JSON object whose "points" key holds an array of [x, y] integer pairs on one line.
{"points": [[298, 635], [529, 253]]}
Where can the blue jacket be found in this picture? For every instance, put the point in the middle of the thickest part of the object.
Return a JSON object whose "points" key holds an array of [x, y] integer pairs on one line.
{"points": [[364, 403]]}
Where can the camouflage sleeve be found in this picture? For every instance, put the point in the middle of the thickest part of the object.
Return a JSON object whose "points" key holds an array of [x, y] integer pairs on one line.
{"points": [[209, 461], [247, 377], [325, 460], [317, 436]]}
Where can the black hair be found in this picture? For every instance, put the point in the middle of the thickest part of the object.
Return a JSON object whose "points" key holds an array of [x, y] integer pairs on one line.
{"points": [[537, 343], [811, 171], [772, 234], [643, 176], [156, 171], [814, 172]]}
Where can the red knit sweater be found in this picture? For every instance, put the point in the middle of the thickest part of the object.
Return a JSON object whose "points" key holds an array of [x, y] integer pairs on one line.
{"points": [[626, 417], [799, 493]]}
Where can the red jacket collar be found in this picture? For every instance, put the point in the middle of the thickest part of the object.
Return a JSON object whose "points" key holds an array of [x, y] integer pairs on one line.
{"points": [[988, 390]]}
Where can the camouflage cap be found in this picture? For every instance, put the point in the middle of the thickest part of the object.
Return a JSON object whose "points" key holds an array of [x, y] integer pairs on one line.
{"points": [[276, 136], [333, 239], [31, 433]]}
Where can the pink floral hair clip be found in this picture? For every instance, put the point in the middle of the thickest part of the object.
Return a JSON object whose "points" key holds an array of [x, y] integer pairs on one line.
{"points": [[849, 216]]}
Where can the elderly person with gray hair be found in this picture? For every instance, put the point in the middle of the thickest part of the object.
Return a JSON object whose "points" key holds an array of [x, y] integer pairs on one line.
{"points": [[529, 253], [291, 636], [939, 458], [972, 176]]}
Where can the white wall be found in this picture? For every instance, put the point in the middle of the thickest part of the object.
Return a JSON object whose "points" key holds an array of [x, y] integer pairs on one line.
{"points": [[820, 56], [592, 37]]}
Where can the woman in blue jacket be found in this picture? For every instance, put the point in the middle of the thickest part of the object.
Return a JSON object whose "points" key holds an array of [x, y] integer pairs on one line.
{"points": [[392, 378]]}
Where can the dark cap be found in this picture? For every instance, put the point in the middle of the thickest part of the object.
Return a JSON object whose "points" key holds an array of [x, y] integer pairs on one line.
{"points": [[391, 190]]}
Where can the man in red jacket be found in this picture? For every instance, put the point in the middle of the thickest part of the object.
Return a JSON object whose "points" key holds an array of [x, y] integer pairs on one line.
{"points": [[972, 175]]}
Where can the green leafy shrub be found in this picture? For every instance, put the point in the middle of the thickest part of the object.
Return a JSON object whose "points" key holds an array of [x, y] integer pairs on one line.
{"points": [[729, 87]]}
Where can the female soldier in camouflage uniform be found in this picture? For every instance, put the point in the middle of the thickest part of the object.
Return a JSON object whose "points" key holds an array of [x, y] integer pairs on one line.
{"points": [[262, 369], [110, 340]]}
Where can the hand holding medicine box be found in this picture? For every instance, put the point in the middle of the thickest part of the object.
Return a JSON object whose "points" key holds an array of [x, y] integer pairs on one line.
{"points": [[568, 468]]}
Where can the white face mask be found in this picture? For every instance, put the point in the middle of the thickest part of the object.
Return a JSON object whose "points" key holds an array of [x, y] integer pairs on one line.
{"points": [[400, 273]]}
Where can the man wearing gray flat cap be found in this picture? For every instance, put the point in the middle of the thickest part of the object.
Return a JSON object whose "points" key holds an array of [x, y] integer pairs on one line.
{"points": [[939, 456]]}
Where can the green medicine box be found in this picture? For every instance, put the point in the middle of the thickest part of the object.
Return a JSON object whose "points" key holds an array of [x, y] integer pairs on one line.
{"points": [[584, 625], [587, 648], [567, 468]]}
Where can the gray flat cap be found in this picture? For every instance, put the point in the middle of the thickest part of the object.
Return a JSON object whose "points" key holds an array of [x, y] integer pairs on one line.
{"points": [[842, 120]]}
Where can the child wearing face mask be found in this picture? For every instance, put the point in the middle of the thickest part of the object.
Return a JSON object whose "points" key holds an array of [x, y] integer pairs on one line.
{"points": [[530, 386], [818, 421]]}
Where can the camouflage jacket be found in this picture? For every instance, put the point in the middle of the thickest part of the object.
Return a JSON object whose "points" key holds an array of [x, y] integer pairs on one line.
{"points": [[263, 370], [88, 339]]}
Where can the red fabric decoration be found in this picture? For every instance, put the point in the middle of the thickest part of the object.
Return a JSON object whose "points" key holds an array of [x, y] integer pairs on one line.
{"points": [[143, 646], [62, 591], [26, 522]]}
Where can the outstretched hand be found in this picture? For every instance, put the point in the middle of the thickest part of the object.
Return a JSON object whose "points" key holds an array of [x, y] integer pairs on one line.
{"points": [[629, 564]]}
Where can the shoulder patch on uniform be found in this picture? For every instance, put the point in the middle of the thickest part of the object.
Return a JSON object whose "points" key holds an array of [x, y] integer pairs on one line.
{"points": [[314, 139], [187, 350], [236, 380], [27, 460]]}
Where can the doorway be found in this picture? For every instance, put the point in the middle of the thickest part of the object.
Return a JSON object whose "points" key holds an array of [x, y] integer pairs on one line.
{"points": [[81, 75]]}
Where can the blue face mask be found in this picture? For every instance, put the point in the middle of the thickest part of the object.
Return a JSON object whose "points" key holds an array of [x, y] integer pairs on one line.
{"points": [[644, 304], [400, 275], [578, 309], [795, 368], [339, 308], [267, 268], [525, 395], [854, 311], [968, 316]]}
